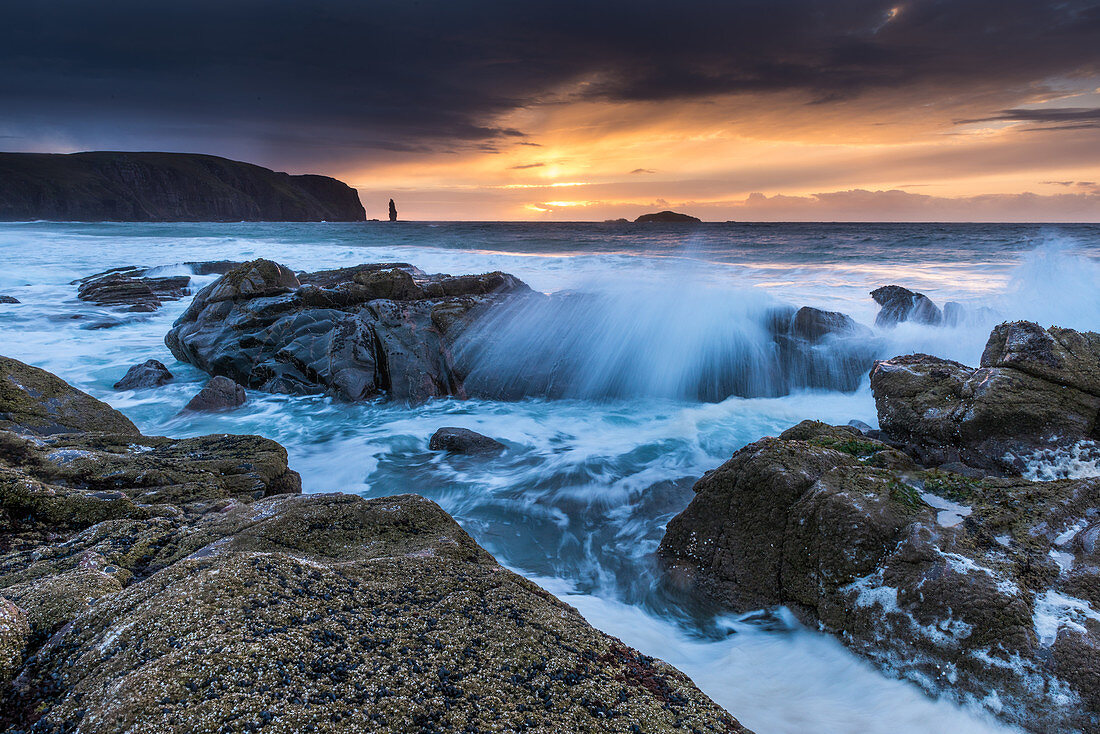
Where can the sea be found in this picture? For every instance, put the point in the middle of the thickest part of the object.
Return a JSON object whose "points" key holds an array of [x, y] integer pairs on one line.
{"points": [[580, 501]]}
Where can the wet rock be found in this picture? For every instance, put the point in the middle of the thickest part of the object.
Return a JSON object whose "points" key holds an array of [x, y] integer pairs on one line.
{"points": [[254, 279], [15, 632], [128, 286], [965, 586], [1036, 390], [358, 333], [464, 441], [1061, 356], [821, 349], [213, 267], [35, 401], [8, 299], [860, 426], [813, 325], [901, 304], [150, 373], [220, 393]]}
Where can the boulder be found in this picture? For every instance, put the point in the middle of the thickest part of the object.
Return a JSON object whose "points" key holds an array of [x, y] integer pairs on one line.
{"points": [[901, 304], [8, 299], [35, 401], [972, 588], [129, 286], [219, 393], [1036, 391], [150, 373], [358, 333], [464, 441], [820, 349], [814, 325]]}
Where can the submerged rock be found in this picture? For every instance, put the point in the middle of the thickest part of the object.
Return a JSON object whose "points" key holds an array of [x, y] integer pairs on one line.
{"points": [[464, 441], [149, 373], [901, 304], [183, 585], [983, 590], [219, 393], [357, 332], [1036, 390]]}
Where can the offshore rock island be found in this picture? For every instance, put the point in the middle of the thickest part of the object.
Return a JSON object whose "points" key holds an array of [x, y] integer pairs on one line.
{"points": [[165, 187]]}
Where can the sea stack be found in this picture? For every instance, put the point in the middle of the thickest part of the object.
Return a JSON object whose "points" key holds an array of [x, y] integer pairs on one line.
{"points": [[393, 211]]}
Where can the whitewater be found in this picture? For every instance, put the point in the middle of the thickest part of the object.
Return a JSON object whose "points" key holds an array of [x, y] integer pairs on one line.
{"points": [[580, 502]]}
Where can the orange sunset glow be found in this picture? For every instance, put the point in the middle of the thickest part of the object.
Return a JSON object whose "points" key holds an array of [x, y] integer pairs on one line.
{"points": [[793, 110]]}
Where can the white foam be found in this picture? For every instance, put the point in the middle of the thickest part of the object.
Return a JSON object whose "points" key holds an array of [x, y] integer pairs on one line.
{"points": [[1055, 612], [1079, 461], [949, 514]]}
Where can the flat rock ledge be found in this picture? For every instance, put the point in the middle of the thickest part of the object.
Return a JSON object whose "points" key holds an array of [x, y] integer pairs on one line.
{"points": [[165, 585], [979, 585]]}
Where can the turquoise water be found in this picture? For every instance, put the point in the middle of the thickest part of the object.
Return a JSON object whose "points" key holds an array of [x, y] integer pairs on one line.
{"points": [[580, 501]]}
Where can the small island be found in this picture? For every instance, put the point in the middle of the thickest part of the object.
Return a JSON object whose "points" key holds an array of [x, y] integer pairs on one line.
{"points": [[667, 217]]}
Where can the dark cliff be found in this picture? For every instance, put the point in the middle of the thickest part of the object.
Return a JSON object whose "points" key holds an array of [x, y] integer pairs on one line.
{"points": [[165, 187]]}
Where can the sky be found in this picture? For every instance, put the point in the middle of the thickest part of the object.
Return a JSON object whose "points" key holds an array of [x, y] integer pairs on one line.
{"points": [[820, 110]]}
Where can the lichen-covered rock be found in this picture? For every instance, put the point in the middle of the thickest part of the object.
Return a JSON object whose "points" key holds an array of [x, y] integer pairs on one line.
{"points": [[15, 631], [149, 373], [334, 613], [35, 401], [219, 393], [464, 441], [356, 332], [1036, 390], [983, 590]]}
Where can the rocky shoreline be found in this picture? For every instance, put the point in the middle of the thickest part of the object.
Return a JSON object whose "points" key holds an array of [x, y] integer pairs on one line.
{"points": [[922, 546], [163, 585], [956, 546]]}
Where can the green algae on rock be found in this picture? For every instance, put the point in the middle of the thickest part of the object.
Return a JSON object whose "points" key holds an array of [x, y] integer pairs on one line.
{"points": [[35, 401]]}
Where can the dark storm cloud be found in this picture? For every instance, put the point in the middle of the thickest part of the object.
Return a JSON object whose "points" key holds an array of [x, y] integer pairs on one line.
{"points": [[1063, 118], [408, 75]]}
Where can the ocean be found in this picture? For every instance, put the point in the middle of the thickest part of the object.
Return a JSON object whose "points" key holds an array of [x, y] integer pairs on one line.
{"points": [[580, 501]]}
